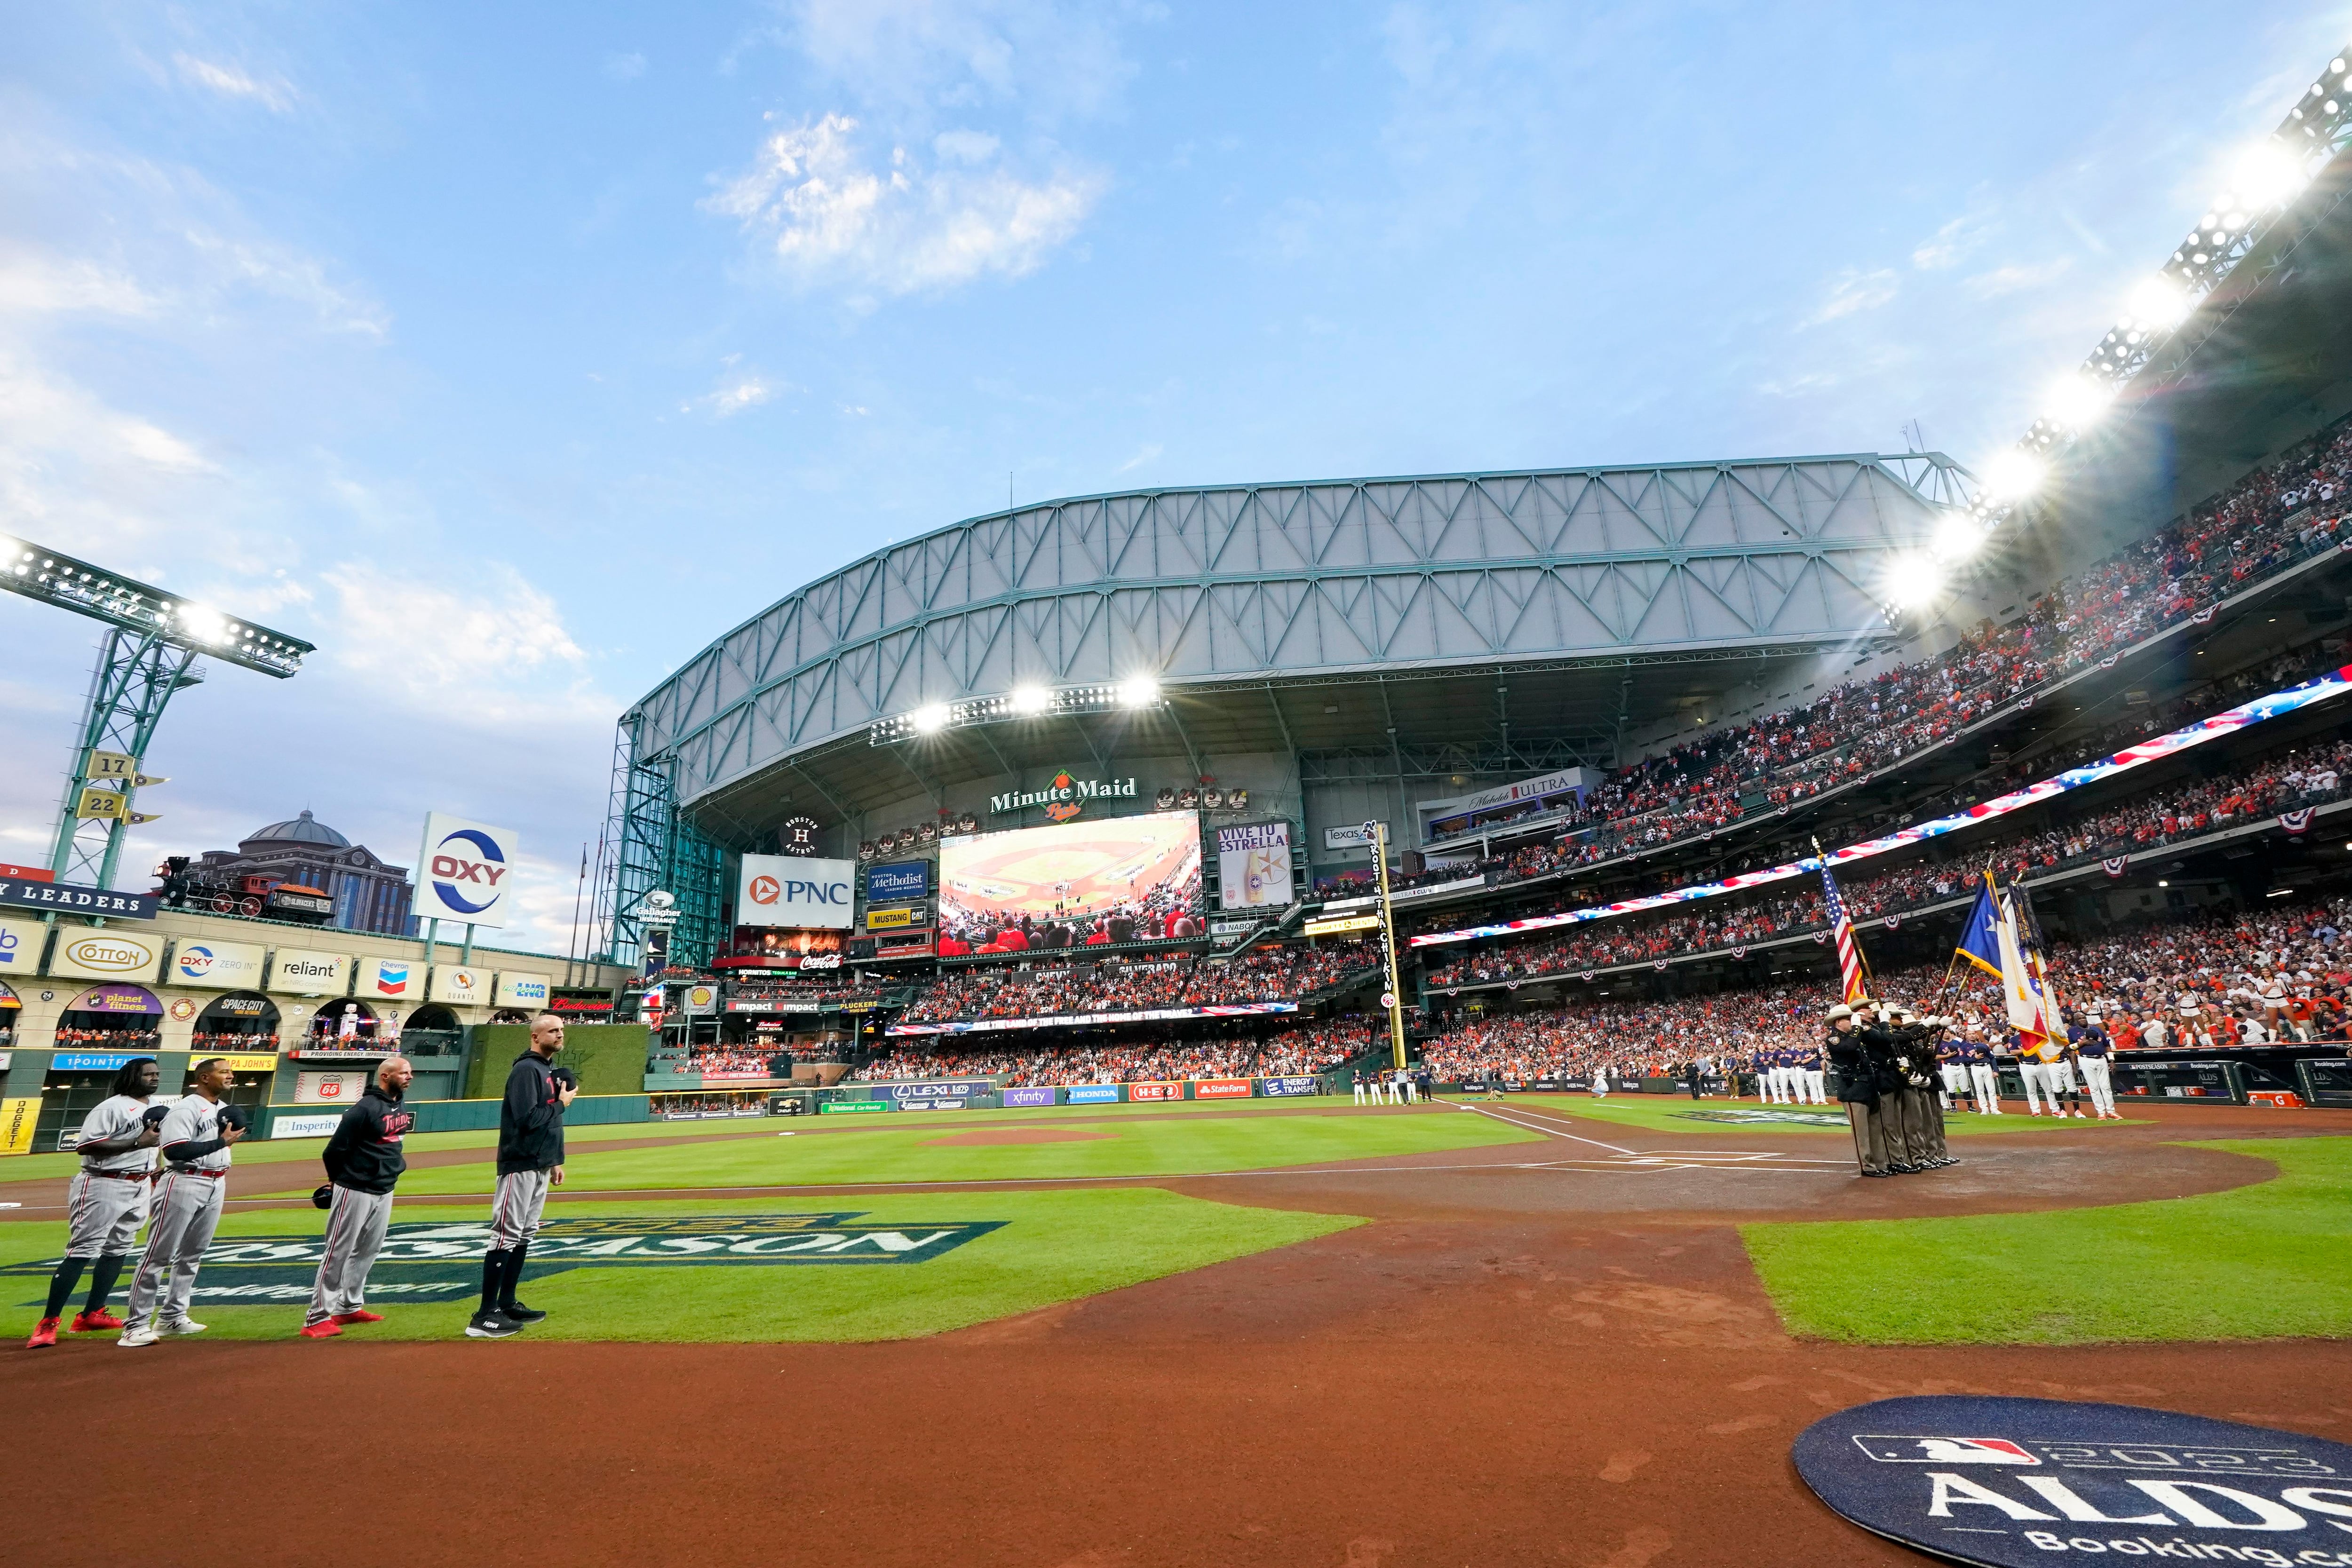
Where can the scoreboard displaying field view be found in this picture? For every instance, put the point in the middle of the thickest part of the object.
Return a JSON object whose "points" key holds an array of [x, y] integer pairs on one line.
{"points": [[1122, 879]]}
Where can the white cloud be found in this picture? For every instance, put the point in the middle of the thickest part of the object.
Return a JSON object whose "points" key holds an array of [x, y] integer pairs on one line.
{"points": [[34, 282], [965, 146], [276, 95], [733, 396], [624, 68], [832, 217], [1855, 290], [499, 648], [1944, 249], [914, 57], [1149, 451], [2003, 280]]}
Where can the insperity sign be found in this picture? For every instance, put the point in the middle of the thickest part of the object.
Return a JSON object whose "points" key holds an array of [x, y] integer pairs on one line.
{"points": [[2005, 1482], [438, 1262]]}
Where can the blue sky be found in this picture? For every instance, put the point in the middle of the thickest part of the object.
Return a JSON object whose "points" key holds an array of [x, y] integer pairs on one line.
{"points": [[511, 353]]}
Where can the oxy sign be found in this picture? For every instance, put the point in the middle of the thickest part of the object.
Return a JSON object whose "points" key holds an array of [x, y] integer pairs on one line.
{"points": [[796, 890], [464, 871], [216, 966]]}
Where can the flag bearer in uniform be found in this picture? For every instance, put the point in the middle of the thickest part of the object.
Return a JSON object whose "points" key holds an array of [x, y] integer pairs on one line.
{"points": [[107, 1200], [197, 1135], [1857, 1089]]}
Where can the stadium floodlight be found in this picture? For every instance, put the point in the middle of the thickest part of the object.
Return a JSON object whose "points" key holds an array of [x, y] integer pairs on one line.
{"points": [[1031, 701], [1961, 537], [1913, 581], [932, 718], [2076, 401], [2158, 302], [2013, 474], [2267, 176], [1138, 690]]}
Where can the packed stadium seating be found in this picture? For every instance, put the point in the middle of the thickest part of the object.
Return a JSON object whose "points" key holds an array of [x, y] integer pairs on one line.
{"points": [[2200, 979], [2109, 828], [2272, 519], [1308, 1048], [1272, 974]]}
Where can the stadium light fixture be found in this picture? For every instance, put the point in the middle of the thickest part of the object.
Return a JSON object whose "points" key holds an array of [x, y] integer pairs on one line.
{"points": [[1960, 538], [930, 718], [2012, 475], [2076, 401], [2267, 176], [1914, 581], [1138, 690], [2158, 302], [1031, 701]]}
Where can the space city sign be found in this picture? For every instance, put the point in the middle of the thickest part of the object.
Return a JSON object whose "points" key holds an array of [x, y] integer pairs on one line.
{"points": [[2003, 1483]]}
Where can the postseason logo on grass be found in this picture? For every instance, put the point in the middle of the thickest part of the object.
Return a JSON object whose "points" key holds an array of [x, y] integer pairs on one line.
{"points": [[1749, 1118], [434, 1262]]}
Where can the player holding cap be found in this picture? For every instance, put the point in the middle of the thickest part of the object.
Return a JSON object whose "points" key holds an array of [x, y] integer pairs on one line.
{"points": [[363, 1161], [107, 1200], [531, 1160], [197, 1135]]}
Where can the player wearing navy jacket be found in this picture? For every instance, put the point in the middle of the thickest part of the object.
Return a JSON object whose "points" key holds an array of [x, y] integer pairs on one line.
{"points": [[364, 1160], [531, 1160]]}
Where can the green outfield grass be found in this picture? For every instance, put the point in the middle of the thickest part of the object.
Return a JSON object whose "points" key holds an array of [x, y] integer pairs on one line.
{"points": [[1672, 1114], [37, 1167], [902, 1151], [1054, 1247], [2265, 1262]]}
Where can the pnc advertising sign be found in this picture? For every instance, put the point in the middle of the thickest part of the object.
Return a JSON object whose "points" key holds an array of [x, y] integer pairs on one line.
{"points": [[2005, 1482], [800, 891], [465, 871]]}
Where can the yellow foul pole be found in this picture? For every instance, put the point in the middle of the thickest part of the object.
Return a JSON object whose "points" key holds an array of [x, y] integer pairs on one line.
{"points": [[1378, 832]]}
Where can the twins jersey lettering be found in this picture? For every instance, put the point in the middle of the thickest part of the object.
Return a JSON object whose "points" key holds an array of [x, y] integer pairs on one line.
{"points": [[117, 1117], [196, 1120]]}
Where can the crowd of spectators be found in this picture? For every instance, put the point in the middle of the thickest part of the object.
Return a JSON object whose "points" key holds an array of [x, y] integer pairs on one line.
{"points": [[226, 1044], [2271, 519], [1309, 1048], [745, 1060], [1170, 912], [854, 987], [1272, 974], [2199, 982], [2307, 775], [134, 1039]]}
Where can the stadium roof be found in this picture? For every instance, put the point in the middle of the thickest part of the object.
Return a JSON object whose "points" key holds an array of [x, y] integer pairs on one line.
{"points": [[1455, 609]]}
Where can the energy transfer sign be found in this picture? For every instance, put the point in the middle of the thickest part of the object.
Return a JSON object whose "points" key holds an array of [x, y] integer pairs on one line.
{"points": [[434, 1261], [800, 891], [2005, 1482], [464, 871]]}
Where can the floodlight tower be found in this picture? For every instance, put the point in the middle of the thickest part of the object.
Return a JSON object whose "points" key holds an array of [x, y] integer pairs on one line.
{"points": [[150, 646]]}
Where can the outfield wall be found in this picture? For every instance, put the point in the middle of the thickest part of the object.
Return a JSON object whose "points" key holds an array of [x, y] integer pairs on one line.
{"points": [[610, 1058]]}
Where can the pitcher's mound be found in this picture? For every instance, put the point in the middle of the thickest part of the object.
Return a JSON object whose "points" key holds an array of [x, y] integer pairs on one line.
{"points": [[1014, 1135]]}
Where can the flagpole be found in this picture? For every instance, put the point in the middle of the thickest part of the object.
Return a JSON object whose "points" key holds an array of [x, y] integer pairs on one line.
{"points": [[1861, 958]]}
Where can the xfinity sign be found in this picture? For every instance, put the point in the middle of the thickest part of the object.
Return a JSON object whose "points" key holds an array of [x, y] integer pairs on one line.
{"points": [[797, 891], [465, 871]]}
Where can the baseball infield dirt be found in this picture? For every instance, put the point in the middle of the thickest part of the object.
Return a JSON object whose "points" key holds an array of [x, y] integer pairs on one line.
{"points": [[1512, 1365]]}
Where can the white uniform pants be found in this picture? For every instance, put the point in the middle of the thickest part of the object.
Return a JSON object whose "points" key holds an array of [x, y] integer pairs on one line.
{"points": [[1988, 1081], [103, 1213], [354, 1235], [1956, 1082], [187, 1211], [2037, 1084], [516, 1207], [1781, 1094], [1817, 1086], [1359, 1091], [1411, 1092], [2095, 1080], [2058, 1077]]}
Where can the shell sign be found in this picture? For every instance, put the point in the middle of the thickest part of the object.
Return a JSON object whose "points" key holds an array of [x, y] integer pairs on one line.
{"points": [[108, 955]]}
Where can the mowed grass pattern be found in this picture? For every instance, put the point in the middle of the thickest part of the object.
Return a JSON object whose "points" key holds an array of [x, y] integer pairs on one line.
{"points": [[904, 1151], [1055, 1246], [2267, 1261], [1672, 1114]]}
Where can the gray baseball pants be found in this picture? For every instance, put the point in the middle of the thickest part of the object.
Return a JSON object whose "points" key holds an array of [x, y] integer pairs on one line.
{"points": [[187, 1211], [354, 1235]]}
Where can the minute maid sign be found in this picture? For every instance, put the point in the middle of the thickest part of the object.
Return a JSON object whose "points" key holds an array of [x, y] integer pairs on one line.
{"points": [[1065, 797], [437, 1263]]}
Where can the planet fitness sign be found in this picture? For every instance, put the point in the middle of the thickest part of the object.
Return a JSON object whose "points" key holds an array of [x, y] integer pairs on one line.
{"points": [[2003, 1483]]}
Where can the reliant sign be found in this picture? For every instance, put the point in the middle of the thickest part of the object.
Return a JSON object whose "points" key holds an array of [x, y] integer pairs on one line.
{"points": [[1065, 797], [301, 972], [800, 891], [2007, 1482]]}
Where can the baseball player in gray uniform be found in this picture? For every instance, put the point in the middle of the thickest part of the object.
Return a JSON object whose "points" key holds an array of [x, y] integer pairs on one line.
{"points": [[107, 1201], [364, 1160], [197, 1135]]}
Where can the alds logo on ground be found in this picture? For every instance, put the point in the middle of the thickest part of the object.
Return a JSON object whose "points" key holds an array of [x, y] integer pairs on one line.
{"points": [[1750, 1118], [435, 1262], [2065, 1480]]}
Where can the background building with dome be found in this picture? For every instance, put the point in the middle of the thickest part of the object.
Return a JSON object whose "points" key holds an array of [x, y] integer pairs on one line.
{"points": [[369, 895]]}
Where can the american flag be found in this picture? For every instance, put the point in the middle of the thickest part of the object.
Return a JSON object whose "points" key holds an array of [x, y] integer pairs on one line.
{"points": [[1841, 931]]}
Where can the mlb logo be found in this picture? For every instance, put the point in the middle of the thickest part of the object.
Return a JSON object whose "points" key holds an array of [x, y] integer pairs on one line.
{"points": [[1921, 1450]]}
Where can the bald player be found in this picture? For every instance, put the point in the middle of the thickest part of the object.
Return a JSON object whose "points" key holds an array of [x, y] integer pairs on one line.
{"points": [[197, 1135], [107, 1200]]}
